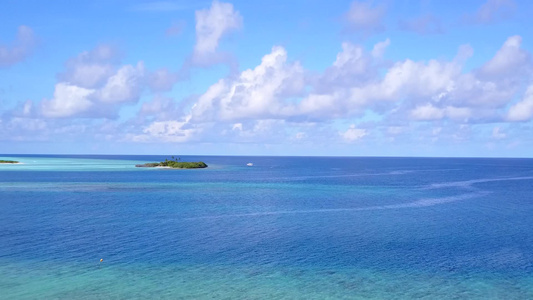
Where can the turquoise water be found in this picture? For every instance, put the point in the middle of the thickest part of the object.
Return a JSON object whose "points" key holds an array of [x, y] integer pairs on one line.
{"points": [[286, 228]]}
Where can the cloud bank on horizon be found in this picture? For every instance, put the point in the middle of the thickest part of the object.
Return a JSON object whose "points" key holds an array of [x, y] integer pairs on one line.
{"points": [[377, 79]]}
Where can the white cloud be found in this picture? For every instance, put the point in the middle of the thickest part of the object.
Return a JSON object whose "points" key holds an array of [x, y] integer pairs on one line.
{"points": [[409, 90], [124, 86], [365, 18], [90, 75], [279, 101], [508, 61], [173, 131], [169, 131], [68, 100], [352, 62], [463, 54], [379, 48], [353, 134], [403, 81], [20, 49], [90, 69], [93, 86], [455, 93], [27, 124], [351, 55], [324, 106], [212, 24], [469, 90], [255, 93], [427, 112], [353, 67], [495, 84], [523, 110], [461, 114]]}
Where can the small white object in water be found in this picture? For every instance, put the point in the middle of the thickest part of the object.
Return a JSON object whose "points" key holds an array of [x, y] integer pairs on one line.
{"points": [[249, 164]]}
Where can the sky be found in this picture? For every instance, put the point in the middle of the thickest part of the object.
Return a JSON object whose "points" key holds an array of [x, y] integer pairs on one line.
{"points": [[314, 77]]}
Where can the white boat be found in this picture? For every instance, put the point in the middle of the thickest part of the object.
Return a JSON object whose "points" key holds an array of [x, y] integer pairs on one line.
{"points": [[249, 164]]}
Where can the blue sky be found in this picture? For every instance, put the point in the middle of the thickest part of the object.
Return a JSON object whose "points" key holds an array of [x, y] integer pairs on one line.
{"points": [[378, 78]]}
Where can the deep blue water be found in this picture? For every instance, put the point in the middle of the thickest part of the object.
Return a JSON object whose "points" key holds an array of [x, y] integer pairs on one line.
{"points": [[286, 228]]}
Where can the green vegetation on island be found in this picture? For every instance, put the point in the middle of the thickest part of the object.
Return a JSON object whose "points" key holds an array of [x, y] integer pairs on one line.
{"points": [[8, 162], [175, 164]]}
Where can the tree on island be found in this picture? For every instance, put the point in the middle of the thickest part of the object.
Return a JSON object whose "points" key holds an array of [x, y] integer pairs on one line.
{"points": [[8, 161], [176, 164]]}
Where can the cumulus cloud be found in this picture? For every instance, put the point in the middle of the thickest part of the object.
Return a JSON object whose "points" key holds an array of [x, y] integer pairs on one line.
{"points": [[493, 11], [68, 100], [123, 86], [278, 101], [167, 131], [175, 130], [379, 49], [494, 84], [443, 90], [94, 85], [406, 90], [364, 18], [352, 66], [417, 79], [353, 134], [405, 81], [24, 129], [255, 93], [523, 110], [510, 60], [211, 25], [428, 112], [90, 69], [20, 49]]}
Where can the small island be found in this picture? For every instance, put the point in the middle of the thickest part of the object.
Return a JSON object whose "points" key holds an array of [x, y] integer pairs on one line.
{"points": [[8, 162], [175, 164]]}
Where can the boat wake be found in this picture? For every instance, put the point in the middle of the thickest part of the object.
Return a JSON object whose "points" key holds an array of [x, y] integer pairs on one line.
{"points": [[425, 202]]}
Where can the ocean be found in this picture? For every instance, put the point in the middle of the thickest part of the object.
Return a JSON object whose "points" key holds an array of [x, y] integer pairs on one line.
{"points": [[284, 228]]}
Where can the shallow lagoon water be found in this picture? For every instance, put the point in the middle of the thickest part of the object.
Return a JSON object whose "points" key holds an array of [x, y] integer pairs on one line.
{"points": [[286, 228]]}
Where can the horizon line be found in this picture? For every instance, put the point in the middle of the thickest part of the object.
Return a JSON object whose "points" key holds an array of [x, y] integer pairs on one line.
{"points": [[236, 155]]}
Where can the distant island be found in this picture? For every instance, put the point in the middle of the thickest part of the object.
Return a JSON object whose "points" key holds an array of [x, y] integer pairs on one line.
{"points": [[174, 164], [8, 162]]}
